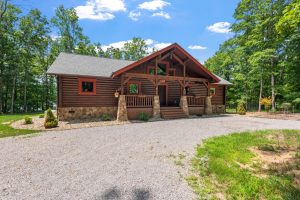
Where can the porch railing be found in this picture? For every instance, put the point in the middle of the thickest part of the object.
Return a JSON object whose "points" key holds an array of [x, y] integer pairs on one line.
{"points": [[195, 101], [133, 101]]}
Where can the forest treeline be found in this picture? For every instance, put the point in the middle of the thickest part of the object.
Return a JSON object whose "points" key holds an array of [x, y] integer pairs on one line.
{"points": [[262, 58], [29, 43]]}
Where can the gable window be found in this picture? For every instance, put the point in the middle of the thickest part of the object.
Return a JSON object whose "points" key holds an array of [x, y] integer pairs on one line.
{"points": [[212, 91], [134, 87], [87, 86]]}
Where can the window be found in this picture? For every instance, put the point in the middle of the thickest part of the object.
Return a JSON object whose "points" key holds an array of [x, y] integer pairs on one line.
{"points": [[87, 86], [212, 91], [134, 87]]}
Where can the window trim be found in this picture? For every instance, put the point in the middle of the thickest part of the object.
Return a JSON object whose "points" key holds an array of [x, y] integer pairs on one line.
{"points": [[136, 83], [93, 80], [214, 92]]}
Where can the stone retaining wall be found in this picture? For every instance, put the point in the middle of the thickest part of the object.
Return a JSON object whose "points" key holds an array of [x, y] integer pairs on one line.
{"points": [[219, 109], [69, 113]]}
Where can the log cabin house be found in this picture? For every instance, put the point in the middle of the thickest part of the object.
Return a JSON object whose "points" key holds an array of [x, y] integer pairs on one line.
{"points": [[169, 83]]}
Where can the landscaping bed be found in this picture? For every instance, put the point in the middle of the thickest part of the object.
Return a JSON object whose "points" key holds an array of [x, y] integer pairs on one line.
{"points": [[276, 115], [38, 124], [248, 165]]}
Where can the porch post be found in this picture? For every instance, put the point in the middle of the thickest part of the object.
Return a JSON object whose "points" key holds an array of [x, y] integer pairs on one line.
{"points": [[208, 106], [184, 104], [122, 109], [156, 107]]}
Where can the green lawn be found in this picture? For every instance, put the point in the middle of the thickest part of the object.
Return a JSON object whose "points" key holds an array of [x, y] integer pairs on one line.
{"points": [[219, 166], [6, 130]]}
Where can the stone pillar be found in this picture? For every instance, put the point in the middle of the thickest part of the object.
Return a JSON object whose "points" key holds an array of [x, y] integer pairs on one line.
{"points": [[122, 109], [184, 105], [156, 107], [208, 106]]}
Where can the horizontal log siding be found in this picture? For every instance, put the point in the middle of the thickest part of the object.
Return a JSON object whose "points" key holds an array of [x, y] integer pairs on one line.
{"points": [[104, 97], [218, 99], [173, 92], [198, 89]]}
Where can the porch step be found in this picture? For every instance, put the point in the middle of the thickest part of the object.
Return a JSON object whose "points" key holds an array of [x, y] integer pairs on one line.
{"points": [[172, 113]]}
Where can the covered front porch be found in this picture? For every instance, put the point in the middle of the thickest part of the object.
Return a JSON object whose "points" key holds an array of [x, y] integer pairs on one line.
{"points": [[160, 104]]}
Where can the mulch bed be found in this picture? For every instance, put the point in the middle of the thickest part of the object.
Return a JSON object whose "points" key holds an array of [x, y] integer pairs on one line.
{"points": [[270, 115]]}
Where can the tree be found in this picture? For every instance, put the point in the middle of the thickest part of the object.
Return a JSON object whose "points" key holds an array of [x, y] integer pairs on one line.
{"points": [[70, 34], [135, 49]]}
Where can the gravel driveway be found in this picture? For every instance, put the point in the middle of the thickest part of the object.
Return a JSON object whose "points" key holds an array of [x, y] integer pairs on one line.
{"points": [[115, 162]]}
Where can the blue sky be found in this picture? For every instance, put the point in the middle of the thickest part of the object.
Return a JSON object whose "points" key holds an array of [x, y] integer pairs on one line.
{"points": [[199, 26]]}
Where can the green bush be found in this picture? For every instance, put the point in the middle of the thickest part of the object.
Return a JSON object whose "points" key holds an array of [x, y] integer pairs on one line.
{"points": [[41, 116], [50, 119], [286, 106], [105, 117], [241, 108], [28, 120], [296, 102], [51, 124], [144, 117]]}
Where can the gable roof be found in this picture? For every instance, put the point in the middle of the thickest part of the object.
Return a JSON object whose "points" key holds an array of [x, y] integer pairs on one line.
{"points": [[222, 81], [74, 64], [172, 46], [83, 65]]}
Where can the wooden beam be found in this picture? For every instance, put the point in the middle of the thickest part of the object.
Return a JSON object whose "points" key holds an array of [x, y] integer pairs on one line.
{"points": [[122, 85], [178, 59], [165, 56], [128, 78], [160, 77]]}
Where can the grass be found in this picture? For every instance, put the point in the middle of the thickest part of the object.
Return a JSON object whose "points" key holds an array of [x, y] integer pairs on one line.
{"points": [[7, 131], [217, 168]]}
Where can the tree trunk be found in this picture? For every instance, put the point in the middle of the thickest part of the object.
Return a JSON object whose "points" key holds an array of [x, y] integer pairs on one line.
{"points": [[13, 95], [273, 92], [260, 94], [25, 91]]}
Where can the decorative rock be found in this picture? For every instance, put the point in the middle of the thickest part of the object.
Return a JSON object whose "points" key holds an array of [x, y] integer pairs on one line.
{"points": [[156, 107], [184, 105], [208, 107], [122, 109]]}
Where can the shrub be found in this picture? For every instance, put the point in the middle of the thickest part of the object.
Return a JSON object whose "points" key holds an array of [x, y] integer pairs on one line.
{"points": [[41, 116], [266, 102], [241, 108], [28, 120], [296, 102], [50, 119], [105, 117], [144, 117], [286, 106]]}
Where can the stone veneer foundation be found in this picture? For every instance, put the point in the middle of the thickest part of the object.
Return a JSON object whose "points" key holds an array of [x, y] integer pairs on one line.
{"points": [[219, 109], [70, 113]]}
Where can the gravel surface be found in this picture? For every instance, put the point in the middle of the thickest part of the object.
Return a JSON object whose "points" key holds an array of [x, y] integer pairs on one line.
{"points": [[130, 161]]}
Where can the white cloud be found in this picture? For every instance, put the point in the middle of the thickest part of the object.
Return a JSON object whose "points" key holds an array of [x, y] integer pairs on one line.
{"points": [[197, 47], [134, 15], [153, 5], [161, 14], [160, 46], [150, 42], [100, 9], [220, 27]]}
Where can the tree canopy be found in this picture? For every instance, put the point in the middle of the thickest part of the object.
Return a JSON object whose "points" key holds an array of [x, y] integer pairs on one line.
{"points": [[262, 58]]}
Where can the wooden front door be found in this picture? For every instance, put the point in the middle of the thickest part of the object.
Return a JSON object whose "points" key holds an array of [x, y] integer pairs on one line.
{"points": [[162, 92]]}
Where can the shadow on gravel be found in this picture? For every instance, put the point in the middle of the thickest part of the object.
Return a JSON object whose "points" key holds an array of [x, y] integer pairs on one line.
{"points": [[115, 194]]}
